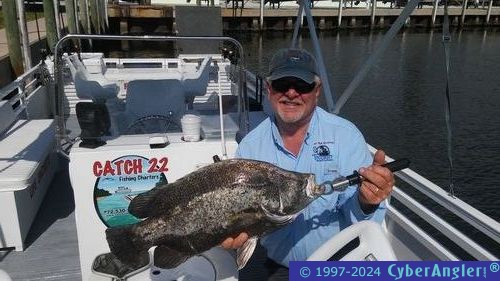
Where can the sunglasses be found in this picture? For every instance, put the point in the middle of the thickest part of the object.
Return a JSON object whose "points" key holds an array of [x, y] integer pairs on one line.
{"points": [[300, 86]]}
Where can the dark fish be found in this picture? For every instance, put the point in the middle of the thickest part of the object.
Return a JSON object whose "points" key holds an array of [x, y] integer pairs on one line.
{"points": [[200, 210]]}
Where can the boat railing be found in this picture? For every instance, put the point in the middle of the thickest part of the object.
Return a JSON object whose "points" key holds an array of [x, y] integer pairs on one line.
{"points": [[480, 221], [19, 91]]}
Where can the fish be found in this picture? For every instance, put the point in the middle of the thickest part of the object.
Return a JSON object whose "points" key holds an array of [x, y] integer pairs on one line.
{"points": [[200, 210]]}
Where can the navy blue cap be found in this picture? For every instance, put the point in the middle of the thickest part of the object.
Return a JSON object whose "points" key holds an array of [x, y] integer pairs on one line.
{"points": [[293, 63]]}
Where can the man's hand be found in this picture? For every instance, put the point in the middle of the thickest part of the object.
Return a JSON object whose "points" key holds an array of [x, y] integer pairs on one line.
{"points": [[235, 243], [377, 183]]}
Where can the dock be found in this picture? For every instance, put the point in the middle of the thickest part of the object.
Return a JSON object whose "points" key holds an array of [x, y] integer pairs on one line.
{"points": [[33, 33], [160, 19], [325, 14], [36, 35]]}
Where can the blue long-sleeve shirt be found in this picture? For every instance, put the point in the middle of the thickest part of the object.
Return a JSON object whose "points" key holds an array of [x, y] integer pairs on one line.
{"points": [[332, 147]]}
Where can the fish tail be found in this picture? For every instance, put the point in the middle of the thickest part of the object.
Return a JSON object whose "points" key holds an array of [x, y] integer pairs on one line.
{"points": [[122, 245]]}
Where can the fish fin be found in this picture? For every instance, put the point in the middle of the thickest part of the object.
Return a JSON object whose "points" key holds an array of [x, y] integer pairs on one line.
{"points": [[110, 266], [245, 252], [278, 219], [140, 206], [123, 247], [166, 257]]}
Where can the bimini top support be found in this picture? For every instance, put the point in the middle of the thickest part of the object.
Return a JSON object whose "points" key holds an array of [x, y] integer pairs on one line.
{"points": [[304, 8], [379, 50]]}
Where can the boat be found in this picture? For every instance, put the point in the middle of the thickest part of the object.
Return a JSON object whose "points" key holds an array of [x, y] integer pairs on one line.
{"points": [[113, 120]]}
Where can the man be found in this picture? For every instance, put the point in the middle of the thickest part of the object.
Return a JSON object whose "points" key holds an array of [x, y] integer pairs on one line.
{"points": [[303, 137]]}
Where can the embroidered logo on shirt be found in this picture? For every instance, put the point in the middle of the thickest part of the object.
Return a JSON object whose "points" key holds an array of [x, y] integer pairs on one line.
{"points": [[322, 153]]}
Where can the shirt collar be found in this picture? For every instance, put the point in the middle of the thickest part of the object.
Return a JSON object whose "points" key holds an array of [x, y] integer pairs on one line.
{"points": [[276, 134]]}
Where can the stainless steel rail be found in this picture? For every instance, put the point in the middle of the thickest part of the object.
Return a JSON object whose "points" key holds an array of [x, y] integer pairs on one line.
{"points": [[25, 85], [471, 215]]}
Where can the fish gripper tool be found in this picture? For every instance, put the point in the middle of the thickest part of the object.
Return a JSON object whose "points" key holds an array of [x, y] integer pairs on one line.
{"points": [[340, 184]]}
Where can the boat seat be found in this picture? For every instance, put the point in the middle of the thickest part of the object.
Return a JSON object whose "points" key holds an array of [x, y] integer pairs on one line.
{"points": [[154, 98], [373, 244], [91, 86], [27, 165], [195, 83]]}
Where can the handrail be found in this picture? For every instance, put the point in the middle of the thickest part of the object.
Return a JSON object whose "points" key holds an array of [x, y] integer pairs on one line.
{"points": [[423, 237], [444, 227], [15, 84], [471, 215], [24, 85], [479, 220]]}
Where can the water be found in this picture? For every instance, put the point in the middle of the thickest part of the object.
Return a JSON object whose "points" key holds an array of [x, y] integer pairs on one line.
{"points": [[400, 104]]}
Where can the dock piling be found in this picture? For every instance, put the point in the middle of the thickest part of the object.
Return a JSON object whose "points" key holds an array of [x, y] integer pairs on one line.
{"points": [[58, 19], [462, 15], [488, 15], [71, 15], [25, 42], [353, 22], [339, 18], [372, 14], [12, 32], [322, 23], [83, 12], [101, 8], [94, 17], [50, 24], [261, 17], [434, 13]]}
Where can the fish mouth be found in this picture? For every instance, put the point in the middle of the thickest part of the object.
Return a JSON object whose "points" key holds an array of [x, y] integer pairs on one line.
{"points": [[278, 218], [312, 189]]}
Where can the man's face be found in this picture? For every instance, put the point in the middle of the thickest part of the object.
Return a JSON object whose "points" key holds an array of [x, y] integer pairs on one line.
{"points": [[293, 99]]}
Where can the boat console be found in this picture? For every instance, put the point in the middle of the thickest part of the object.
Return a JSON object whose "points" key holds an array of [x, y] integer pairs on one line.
{"points": [[105, 179]]}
